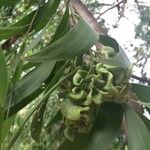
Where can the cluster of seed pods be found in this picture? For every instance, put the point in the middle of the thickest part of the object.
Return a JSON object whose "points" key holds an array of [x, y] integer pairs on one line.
{"points": [[86, 90]]}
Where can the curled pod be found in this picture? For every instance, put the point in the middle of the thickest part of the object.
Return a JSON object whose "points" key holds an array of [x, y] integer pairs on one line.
{"points": [[106, 95], [69, 134], [89, 78], [120, 97], [77, 95], [79, 77], [109, 85], [118, 73], [97, 96], [71, 111], [111, 89], [108, 51], [99, 67], [98, 81], [88, 100]]}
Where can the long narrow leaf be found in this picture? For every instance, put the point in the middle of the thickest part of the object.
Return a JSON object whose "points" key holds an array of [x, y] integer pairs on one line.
{"points": [[8, 3], [75, 42], [18, 132], [103, 133], [3, 79], [106, 127], [36, 20], [138, 133], [143, 92], [37, 122], [28, 88]]}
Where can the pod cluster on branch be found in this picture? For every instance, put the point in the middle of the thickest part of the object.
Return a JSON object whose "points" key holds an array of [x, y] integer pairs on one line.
{"points": [[84, 92]]}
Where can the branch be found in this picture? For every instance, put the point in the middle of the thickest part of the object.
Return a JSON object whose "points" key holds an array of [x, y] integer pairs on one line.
{"points": [[143, 80], [112, 7], [87, 15]]}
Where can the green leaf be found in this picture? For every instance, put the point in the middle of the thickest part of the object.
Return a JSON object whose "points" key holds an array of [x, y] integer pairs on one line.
{"points": [[58, 75], [32, 81], [59, 32], [6, 125], [37, 122], [21, 104], [8, 3], [146, 121], [103, 133], [18, 132], [63, 27], [77, 41], [6, 32], [78, 144], [143, 93], [109, 41], [3, 79], [29, 87], [34, 21], [120, 60], [106, 127], [57, 117], [1, 126], [138, 133], [17, 73]]}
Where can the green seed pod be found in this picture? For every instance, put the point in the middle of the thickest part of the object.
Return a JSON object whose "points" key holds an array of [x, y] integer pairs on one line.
{"points": [[79, 77], [108, 51], [109, 85], [106, 94], [88, 100], [72, 111], [118, 73], [99, 68], [69, 134], [89, 78], [77, 96], [98, 82], [97, 98]]}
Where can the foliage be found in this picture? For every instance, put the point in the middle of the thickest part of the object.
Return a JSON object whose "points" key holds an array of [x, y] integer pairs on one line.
{"points": [[80, 102]]}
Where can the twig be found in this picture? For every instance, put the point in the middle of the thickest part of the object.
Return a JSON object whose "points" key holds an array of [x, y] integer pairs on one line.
{"points": [[112, 7], [143, 80]]}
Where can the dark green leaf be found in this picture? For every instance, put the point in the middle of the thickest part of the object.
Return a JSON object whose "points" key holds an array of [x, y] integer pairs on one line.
{"points": [[37, 122], [17, 74], [57, 76], [17, 133], [54, 120], [8, 3], [109, 41], [1, 125], [3, 79], [103, 133], [106, 127], [21, 104], [75, 42], [78, 144], [36, 20], [120, 60], [146, 121], [7, 32], [32, 81], [143, 92], [63, 27], [138, 133]]}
